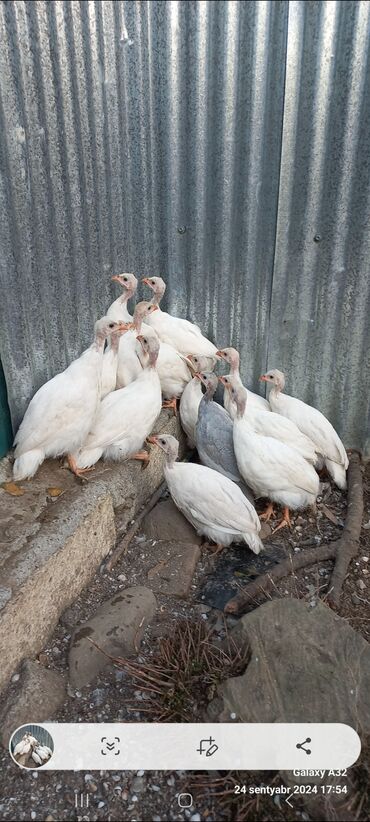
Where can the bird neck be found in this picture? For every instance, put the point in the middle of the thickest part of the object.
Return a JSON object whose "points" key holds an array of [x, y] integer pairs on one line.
{"points": [[114, 342], [156, 298], [234, 370], [208, 395], [275, 391], [126, 296], [98, 344], [138, 322], [152, 360]]}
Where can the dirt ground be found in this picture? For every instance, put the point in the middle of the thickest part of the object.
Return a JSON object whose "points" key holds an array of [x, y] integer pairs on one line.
{"points": [[114, 697]]}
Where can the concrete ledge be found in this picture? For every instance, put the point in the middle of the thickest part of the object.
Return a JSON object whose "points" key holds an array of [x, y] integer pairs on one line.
{"points": [[52, 546]]}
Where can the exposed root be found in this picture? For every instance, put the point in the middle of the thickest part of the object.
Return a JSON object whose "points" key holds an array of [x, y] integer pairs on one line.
{"points": [[342, 550]]}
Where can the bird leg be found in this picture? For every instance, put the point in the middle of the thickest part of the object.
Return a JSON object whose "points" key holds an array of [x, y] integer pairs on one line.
{"points": [[79, 472], [211, 547], [144, 456], [268, 512], [284, 521], [171, 404]]}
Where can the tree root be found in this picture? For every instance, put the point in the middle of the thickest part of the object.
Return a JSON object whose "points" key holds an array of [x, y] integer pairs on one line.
{"points": [[342, 550], [125, 542]]}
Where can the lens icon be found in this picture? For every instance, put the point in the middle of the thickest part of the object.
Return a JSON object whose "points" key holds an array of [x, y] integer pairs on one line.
{"points": [[185, 800]]}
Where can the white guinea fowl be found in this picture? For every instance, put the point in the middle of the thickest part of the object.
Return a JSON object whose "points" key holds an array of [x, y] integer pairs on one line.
{"points": [[213, 504], [22, 747], [192, 395], [129, 366], [61, 413], [231, 356], [118, 309], [312, 423], [271, 468], [173, 370], [126, 416], [273, 425], [183, 335]]}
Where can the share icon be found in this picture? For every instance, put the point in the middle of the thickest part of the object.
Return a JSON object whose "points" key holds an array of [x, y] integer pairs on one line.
{"points": [[302, 744]]}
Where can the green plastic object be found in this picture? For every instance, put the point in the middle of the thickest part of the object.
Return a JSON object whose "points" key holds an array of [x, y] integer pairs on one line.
{"points": [[6, 434]]}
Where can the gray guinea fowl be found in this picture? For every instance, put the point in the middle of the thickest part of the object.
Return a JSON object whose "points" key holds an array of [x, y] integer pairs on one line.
{"points": [[214, 435]]}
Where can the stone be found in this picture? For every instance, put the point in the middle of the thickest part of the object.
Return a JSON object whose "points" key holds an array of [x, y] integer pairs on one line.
{"points": [[35, 698], [116, 627], [171, 567], [166, 522], [307, 664]]}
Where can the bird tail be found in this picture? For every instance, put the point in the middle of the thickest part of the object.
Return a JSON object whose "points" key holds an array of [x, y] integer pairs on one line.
{"points": [[254, 542], [27, 464], [338, 473], [88, 457]]}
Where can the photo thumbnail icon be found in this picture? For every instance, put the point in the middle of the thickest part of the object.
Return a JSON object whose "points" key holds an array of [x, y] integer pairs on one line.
{"points": [[31, 746]]}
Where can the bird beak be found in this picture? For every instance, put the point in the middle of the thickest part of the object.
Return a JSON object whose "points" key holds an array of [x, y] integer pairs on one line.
{"points": [[140, 338], [123, 327], [152, 440], [263, 378], [145, 280], [154, 308], [197, 375], [219, 354], [222, 379]]}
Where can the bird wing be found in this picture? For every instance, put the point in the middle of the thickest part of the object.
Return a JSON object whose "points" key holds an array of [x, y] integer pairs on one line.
{"points": [[214, 437], [59, 402], [212, 499], [278, 466], [316, 426]]}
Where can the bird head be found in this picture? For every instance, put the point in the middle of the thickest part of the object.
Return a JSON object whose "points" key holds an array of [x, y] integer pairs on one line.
{"points": [[209, 380], [150, 346], [169, 445], [274, 377], [156, 284], [105, 327], [229, 355], [127, 281]]}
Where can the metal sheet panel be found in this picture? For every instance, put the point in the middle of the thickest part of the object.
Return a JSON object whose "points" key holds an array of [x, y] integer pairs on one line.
{"points": [[148, 136], [320, 310], [144, 137]]}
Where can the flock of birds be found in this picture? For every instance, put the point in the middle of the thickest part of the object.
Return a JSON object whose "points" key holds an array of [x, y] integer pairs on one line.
{"points": [[30, 748], [106, 403]]}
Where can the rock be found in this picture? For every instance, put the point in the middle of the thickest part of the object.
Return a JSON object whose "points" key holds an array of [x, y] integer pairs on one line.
{"points": [[171, 567], [166, 522], [138, 785], [361, 585], [116, 627], [36, 697], [305, 662]]}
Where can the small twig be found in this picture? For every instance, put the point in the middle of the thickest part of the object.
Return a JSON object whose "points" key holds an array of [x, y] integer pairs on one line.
{"points": [[342, 550], [125, 542]]}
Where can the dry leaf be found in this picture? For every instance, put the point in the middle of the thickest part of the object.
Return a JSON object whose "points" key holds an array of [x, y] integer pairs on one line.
{"points": [[55, 492], [328, 514], [156, 569], [13, 489]]}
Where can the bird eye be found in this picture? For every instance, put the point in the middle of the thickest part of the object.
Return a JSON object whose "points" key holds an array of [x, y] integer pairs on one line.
{"points": [[111, 325], [153, 282], [163, 442], [125, 279], [145, 340]]}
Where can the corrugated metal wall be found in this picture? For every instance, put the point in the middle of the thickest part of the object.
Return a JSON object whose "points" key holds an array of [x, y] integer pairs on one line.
{"points": [[208, 142]]}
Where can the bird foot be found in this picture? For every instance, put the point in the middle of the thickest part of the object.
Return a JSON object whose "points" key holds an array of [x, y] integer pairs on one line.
{"points": [[79, 472], [268, 513], [214, 549], [285, 521], [144, 456], [171, 404]]}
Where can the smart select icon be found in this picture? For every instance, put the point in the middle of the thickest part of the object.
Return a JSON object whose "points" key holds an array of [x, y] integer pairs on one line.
{"points": [[110, 747]]}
